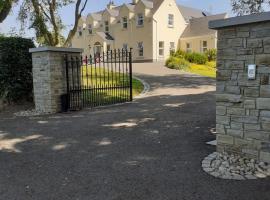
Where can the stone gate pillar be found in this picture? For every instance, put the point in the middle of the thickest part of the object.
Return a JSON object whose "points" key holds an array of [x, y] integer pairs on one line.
{"points": [[49, 76], [243, 104]]}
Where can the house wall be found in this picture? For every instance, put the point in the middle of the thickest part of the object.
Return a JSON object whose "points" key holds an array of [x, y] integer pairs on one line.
{"points": [[196, 43], [161, 30], [243, 105]]}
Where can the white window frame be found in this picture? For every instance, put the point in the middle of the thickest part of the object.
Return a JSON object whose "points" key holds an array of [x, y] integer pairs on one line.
{"points": [[124, 22], [204, 47], [170, 20], [80, 31], [188, 47], [140, 49], [161, 48], [172, 47], [140, 19], [90, 29], [106, 27]]}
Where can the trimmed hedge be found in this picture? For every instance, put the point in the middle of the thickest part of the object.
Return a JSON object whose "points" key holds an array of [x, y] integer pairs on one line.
{"points": [[196, 58], [16, 82]]}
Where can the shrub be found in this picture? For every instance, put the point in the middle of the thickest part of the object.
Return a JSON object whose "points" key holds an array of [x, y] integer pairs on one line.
{"points": [[177, 63], [211, 54], [15, 69], [180, 54], [196, 58]]}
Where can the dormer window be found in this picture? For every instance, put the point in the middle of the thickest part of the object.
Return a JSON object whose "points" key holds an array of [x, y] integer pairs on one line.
{"points": [[80, 31], [125, 22], [90, 29], [140, 20], [106, 26], [170, 20]]}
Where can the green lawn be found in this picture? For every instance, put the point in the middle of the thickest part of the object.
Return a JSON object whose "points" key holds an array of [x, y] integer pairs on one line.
{"points": [[108, 86], [203, 70]]}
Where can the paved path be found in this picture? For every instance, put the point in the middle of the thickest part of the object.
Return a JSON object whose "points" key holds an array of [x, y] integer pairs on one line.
{"points": [[150, 149]]}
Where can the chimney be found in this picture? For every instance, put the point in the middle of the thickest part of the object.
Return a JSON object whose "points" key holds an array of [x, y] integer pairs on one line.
{"points": [[111, 5]]}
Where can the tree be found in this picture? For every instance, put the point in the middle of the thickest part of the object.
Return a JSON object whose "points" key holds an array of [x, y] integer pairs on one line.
{"points": [[44, 17], [5, 8], [245, 7]]}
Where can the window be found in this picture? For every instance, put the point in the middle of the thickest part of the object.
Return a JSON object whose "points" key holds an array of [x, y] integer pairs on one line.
{"points": [[90, 29], [80, 31], [188, 47], [204, 46], [140, 20], [172, 47], [161, 48], [125, 46], [140, 48], [125, 22], [106, 26], [170, 20]]}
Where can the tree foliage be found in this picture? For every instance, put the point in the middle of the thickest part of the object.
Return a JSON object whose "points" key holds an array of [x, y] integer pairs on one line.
{"points": [[245, 7], [44, 18], [5, 8]]}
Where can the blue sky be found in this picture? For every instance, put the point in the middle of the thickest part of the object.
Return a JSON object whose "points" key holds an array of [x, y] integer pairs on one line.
{"points": [[215, 6]]}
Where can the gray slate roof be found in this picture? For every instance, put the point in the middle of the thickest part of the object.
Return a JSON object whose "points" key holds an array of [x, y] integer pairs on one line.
{"points": [[199, 26], [189, 13]]}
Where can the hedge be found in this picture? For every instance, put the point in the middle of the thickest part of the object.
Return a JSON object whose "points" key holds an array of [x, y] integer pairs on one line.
{"points": [[16, 82]]}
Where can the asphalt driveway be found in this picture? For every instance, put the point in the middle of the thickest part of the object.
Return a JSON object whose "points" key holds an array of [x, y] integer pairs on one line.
{"points": [[150, 149]]}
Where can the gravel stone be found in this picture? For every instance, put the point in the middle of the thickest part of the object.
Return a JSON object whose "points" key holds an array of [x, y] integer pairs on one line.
{"points": [[234, 167]]}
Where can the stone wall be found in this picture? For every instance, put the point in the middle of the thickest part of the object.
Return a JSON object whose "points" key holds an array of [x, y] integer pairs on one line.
{"points": [[243, 105], [49, 76]]}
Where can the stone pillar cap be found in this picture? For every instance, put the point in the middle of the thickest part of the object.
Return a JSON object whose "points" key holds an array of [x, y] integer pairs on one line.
{"points": [[240, 20], [56, 49]]}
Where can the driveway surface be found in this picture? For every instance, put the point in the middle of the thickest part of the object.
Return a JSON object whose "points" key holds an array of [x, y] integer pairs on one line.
{"points": [[150, 149]]}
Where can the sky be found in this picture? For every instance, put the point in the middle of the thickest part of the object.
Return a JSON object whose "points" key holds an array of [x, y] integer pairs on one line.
{"points": [[11, 24]]}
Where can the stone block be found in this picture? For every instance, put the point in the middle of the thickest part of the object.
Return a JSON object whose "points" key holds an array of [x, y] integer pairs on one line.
{"points": [[251, 152], [261, 33], [244, 119], [266, 126], [265, 113], [220, 129], [224, 139], [220, 86], [242, 33], [236, 111], [265, 91], [235, 133], [254, 113], [223, 75], [266, 49], [263, 103], [243, 142], [259, 135], [237, 126], [233, 89], [253, 43], [252, 126], [221, 110], [224, 120], [251, 92], [250, 104], [262, 59], [265, 156], [234, 65], [232, 98], [235, 42]]}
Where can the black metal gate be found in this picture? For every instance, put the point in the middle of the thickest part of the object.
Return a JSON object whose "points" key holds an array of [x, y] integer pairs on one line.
{"points": [[100, 79]]}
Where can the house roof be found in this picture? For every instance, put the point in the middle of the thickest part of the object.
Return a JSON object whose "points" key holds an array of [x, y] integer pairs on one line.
{"points": [[189, 13], [199, 26], [105, 36]]}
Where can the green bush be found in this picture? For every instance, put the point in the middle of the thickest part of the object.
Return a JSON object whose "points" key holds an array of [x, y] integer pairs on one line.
{"points": [[211, 54], [16, 81], [196, 58], [177, 63], [180, 54]]}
